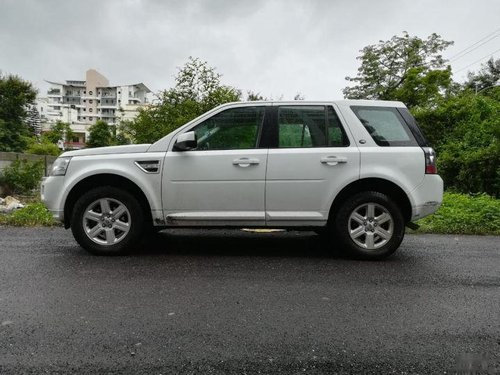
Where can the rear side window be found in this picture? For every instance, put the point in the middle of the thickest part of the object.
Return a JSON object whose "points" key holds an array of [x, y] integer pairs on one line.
{"points": [[310, 126], [385, 125]]}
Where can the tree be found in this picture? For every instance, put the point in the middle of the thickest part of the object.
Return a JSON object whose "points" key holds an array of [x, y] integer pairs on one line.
{"points": [[15, 97], [255, 96], [197, 89], [59, 131], [100, 135], [488, 76], [404, 68], [33, 121]]}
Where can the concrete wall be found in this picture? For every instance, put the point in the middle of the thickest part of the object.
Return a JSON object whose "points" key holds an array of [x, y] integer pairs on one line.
{"points": [[6, 158]]}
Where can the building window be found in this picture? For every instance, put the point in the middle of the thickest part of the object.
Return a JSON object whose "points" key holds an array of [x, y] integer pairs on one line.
{"points": [[85, 101], [90, 101], [90, 92], [85, 92], [85, 109], [90, 109], [84, 117]]}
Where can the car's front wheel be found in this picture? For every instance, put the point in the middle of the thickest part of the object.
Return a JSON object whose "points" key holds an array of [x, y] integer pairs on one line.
{"points": [[370, 225], [107, 221]]}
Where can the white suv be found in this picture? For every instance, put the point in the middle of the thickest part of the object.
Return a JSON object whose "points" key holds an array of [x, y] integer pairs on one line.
{"points": [[356, 170]]}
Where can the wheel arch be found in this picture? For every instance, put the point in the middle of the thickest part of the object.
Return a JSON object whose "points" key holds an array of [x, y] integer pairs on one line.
{"points": [[374, 184], [104, 179]]}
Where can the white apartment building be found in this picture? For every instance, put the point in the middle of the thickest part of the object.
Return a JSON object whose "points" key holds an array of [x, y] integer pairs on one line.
{"points": [[82, 103]]}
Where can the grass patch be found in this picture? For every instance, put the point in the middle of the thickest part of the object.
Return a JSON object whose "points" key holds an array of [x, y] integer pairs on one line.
{"points": [[35, 214], [464, 214]]}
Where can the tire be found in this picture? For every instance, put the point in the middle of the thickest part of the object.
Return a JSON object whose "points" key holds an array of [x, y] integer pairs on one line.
{"points": [[114, 233], [369, 225]]}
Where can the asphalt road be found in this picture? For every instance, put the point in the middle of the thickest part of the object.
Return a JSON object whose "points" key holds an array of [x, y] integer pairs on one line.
{"points": [[234, 302]]}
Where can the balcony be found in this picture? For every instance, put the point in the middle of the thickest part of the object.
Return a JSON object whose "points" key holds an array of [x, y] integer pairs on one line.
{"points": [[54, 93], [110, 95]]}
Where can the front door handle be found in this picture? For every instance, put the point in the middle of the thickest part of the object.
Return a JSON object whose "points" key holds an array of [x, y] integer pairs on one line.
{"points": [[245, 162], [333, 160]]}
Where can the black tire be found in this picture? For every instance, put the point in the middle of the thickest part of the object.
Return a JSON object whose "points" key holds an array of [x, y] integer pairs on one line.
{"points": [[118, 235], [365, 234]]}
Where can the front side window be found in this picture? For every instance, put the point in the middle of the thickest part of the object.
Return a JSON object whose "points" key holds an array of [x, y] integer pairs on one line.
{"points": [[310, 126], [232, 129], [385, 125]]}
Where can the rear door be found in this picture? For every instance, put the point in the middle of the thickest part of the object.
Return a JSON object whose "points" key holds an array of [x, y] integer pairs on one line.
{"points": [[311, 160]]}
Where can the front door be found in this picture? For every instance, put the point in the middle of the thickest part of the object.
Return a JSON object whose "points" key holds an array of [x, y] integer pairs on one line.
{"points": [[222, 181]]}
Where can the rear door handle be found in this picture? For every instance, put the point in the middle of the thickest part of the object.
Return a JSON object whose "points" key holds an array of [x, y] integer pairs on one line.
{"points": [[333, 160], [245, 162]]}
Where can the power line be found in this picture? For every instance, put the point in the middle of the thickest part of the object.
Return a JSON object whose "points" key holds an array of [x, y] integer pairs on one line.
{"points": [[473, 49], [488, 55], [454, 57]]}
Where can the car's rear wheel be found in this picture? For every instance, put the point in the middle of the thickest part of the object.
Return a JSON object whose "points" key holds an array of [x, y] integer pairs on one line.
{"points": [[369, 225], [107, 221]]}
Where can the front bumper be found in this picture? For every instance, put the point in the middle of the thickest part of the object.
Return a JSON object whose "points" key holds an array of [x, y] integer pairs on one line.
{"points": [[51, 195]]}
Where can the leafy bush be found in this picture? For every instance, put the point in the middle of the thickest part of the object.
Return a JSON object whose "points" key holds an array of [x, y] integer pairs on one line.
{"points": [[43, 148], [465, 130], [464, 214], [22, 176], [31, 215]]}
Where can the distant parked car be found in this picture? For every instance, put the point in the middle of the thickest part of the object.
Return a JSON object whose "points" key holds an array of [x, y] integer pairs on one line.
{"points": [[356, 170]]}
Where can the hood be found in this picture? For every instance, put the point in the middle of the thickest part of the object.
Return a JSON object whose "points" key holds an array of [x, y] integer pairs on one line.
{"points": [[109, 150]]}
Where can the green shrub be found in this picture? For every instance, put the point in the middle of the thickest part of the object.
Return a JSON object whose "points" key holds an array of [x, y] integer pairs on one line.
{"points": [[43, 148], [465, 131], [464, 214], [22, 176], [31, 215]]}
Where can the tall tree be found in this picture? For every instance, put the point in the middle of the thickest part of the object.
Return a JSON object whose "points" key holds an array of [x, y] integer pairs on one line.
{"points": [[15, 97], [197, 89], [405, 68], [488, 77], [100, 135], [59, 131], [33, 121]]}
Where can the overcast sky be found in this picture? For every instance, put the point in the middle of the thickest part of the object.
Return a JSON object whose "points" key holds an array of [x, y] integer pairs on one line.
{"points": [[272, 47]]}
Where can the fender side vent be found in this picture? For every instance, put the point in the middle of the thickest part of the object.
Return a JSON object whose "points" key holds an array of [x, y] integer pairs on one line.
{"points": [[149, 166]]}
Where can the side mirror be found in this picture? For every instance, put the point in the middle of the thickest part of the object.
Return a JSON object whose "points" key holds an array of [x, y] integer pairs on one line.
{"points": [[185, 142]]}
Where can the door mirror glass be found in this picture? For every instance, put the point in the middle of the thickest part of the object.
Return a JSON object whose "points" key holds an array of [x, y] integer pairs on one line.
{"points": [[185, 142]]}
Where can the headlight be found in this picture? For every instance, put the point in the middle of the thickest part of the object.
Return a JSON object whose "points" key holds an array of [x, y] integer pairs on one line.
{"points": [[59, 167]]}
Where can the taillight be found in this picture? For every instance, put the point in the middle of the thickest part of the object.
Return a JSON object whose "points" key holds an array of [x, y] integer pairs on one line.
{"points": [[430, 160]]}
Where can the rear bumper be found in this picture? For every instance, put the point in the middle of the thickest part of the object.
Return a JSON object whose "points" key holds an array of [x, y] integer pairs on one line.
{"points": [[427, 197]]}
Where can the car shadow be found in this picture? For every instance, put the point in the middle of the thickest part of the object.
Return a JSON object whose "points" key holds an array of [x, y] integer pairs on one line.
{"points": [[237, 242]]}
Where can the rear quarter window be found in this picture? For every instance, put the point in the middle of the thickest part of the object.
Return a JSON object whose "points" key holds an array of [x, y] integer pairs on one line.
{"points": [[385, 125]]}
